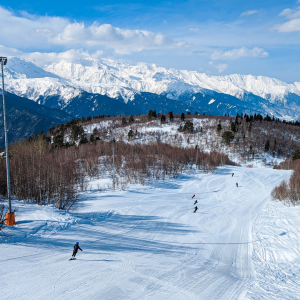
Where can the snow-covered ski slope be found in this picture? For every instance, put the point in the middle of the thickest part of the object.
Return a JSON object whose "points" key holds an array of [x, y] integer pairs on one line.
{"points": [[146, 243]]}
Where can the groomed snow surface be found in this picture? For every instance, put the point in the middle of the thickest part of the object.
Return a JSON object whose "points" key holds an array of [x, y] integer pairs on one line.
{"points": [[146, 242]]}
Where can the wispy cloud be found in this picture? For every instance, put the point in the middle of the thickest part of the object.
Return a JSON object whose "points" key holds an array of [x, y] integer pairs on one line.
{"points": [[221, 67], [293, 24], [241, 52], [194, 29], [249, 12], [290, 13]]}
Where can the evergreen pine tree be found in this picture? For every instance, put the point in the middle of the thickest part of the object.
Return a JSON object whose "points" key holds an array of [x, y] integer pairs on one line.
{"points": [[267, 146], [182, 116], [150, 114], [95, 132], [233, 127], [296, 154], [124, 122], [227, 136], [92, 139], [130, 133], [188, 126], [83, 140]]}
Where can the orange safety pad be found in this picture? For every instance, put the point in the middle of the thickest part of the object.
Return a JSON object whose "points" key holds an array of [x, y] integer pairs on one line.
{"points": [[10, 219]]}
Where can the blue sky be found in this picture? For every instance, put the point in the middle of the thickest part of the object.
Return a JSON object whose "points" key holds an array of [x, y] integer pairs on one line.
{"points": [[215, 37]]}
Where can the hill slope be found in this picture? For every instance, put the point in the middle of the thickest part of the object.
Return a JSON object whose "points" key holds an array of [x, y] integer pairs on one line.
{"points": [[25, 118]]}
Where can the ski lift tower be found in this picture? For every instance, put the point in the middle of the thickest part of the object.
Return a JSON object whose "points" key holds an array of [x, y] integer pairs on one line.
{"points": [[10, 216]]}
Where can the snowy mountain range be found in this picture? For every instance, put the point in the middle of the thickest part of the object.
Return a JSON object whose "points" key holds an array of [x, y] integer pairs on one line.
{"points": [[57, 80]]}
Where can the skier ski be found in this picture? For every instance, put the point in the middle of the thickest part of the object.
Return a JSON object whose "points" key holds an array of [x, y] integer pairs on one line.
{"points": [[232, 174], [237, 185], [195, 209], [195, 202], [193, 196], [76, 247]]}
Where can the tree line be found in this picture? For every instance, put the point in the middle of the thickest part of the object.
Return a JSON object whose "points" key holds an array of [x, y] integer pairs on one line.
{"points": [[288, 191], [251, 135], [42, 176], [55, 176]]}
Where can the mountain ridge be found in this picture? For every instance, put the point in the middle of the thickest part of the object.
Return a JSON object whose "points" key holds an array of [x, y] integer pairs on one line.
{"points": [[68, 78]]}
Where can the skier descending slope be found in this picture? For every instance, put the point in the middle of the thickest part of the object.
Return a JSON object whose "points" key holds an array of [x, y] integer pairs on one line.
{"points": [[195, 202], [196, 208], [193, 196], [232, 174], [76, 247], [237, 185]]}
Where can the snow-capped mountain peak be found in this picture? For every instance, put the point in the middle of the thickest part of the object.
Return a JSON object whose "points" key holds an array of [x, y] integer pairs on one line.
{"points": [[67, 74]]}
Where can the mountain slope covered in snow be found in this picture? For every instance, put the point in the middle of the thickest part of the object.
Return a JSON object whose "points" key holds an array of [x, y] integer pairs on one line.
{"points": [[66, 79]]}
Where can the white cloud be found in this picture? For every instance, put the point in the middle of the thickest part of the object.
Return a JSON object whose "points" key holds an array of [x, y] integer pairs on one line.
{"points": [[290, 13], [286, 12], [41, 59], [241, 52], [29, 31], [4, 51], [293, 24], [249, 12], [25, 31], [290, 26], [75, 56], [221, 67], [124, 41]]}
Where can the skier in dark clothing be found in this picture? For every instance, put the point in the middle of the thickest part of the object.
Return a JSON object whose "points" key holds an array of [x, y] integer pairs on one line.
{"points": [[76, 247], [193, 196], [237, 185], [195, 209], [232, 174], [195, 202]]}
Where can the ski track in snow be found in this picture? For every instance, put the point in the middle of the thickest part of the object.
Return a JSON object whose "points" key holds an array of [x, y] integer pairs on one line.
{"points": [[146, 243]]}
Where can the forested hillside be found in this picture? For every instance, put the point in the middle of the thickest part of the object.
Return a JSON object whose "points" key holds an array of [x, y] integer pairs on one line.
{"points": [[52, 168], [26, 118]]}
